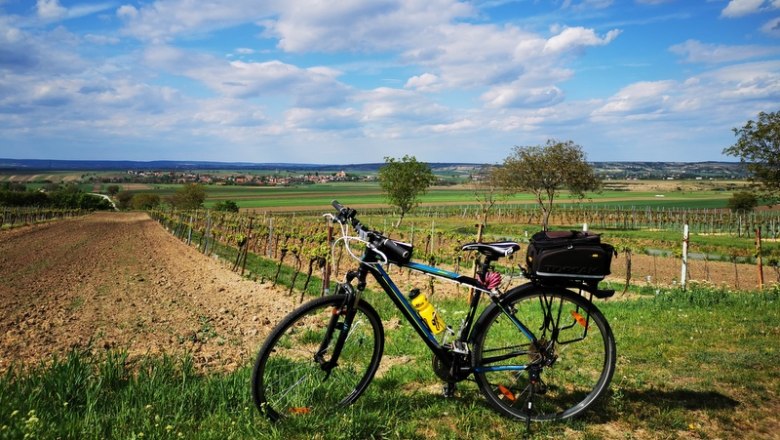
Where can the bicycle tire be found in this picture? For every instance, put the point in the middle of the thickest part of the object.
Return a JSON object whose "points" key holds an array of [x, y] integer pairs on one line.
{"points": [[288, 380], [572, 382]]}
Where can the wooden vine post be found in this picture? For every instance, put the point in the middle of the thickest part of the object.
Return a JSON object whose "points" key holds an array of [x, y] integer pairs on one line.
{"points": [[684, 270], [759, 260]]}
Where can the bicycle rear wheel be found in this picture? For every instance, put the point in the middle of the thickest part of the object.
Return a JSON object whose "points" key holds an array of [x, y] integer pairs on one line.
{"points": [[558, 377], [291, 375]]}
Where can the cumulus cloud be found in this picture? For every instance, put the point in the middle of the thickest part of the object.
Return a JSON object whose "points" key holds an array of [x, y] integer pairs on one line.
{"points": [[50, 10], [721, 91], [772, 28], [578, 37], [425, 82], [163, 20], [360, 26], [694, 51], [740, 8], [640, 98], [311, 87], [385, 104], [518, 96]]}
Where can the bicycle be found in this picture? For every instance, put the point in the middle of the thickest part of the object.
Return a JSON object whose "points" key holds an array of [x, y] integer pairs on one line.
{"points": [[540, 351]]}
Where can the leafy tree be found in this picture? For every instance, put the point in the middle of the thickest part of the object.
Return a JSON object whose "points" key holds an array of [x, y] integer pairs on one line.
{"points": [[144, 201], [92, 202], [24, 198], [758, 146], [189, 197], [486, 192], [742, 202], [125, 199], [112, 190], [226, 206], [13, 186], [545, 171], [403, 181]]}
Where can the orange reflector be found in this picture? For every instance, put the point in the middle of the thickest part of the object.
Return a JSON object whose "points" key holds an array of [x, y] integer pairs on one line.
{"points": [[579, 319], [299, 410], [508, 394]]}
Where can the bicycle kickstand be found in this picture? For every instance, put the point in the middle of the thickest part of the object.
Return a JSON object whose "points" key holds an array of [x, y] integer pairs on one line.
{"points": [[449, 389]]}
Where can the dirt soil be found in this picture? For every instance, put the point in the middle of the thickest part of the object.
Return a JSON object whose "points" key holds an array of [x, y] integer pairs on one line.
{"points": [[120, 281]]}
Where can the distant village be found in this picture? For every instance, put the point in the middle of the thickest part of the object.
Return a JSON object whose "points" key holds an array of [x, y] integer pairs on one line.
{"points": [[146, 176]]}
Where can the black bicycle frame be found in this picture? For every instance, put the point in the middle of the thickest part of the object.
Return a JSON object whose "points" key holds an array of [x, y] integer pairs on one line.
{"points": [[369, 264]]}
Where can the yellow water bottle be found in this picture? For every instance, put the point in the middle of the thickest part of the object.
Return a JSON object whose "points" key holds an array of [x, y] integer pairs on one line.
{"points": [[427, 311]]}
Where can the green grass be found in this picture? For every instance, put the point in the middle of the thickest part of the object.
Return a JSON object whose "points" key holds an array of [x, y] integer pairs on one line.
{"points": [[319, 196], [695, 364]]}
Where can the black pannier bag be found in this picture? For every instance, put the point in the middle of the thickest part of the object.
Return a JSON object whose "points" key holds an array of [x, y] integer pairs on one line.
{"points": [[569, 254]]}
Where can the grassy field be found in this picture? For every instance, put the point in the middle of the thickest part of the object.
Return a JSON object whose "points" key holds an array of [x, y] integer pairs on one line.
{"points": [[364, 194], [695, 364]]}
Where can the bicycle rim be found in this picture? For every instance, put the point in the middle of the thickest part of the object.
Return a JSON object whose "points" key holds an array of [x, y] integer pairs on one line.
{"points": [[288, 378], [576, 374]]}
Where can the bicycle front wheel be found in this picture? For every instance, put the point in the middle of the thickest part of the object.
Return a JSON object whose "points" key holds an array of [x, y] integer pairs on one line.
{"points": [[295, 372], [558, 376]]}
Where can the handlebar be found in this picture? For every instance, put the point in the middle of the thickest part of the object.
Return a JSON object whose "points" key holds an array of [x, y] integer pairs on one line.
{"points": [[373, 238]]}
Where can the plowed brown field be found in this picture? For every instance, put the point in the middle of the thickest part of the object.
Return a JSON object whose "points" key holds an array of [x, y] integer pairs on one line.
{"points": [[120, 281]]}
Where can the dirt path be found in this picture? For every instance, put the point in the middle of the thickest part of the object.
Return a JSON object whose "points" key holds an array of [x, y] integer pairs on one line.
{"points": [[119, 281]]}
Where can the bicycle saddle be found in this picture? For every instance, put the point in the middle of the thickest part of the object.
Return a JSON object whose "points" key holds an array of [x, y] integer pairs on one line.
{"points": [[493, 250]]}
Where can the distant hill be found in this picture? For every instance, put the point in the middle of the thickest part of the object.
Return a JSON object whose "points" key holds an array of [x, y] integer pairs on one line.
{"points": [[615, 170]]}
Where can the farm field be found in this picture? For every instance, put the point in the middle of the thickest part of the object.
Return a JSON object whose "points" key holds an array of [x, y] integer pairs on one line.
{"points": [[154, 340], [317, 197]]}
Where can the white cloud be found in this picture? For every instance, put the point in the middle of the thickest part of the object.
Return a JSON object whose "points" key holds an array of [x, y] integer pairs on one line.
{"points": [[387, 104], [714, 97], [327, 119], [312, 87], [772, 27], [694, 51], [518, 96], [645, 97], [52, 10], [424, 83], [360, 26], [578, 37], [163, 20], [740, 8], [127, 12], [228, 112]]}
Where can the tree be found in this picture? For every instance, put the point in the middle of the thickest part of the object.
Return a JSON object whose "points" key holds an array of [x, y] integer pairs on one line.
{"points": [[189, 197], [112, 190], [758, 146], [742, 202], [545, 171], [226, 206], [486, 190], [92, 202], [404, 181], [144, 201], [125, 199]]}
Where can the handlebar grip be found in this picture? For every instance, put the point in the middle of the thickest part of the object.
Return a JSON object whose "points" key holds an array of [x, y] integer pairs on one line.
{"points": [[395, 251], [338, 206]]}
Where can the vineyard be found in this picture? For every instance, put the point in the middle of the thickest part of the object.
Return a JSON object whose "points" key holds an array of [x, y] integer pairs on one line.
{"points": [[15, 217], [292, 248]]}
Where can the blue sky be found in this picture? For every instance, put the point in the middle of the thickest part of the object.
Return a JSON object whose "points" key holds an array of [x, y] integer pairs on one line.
{"points": [[353, 81]]}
